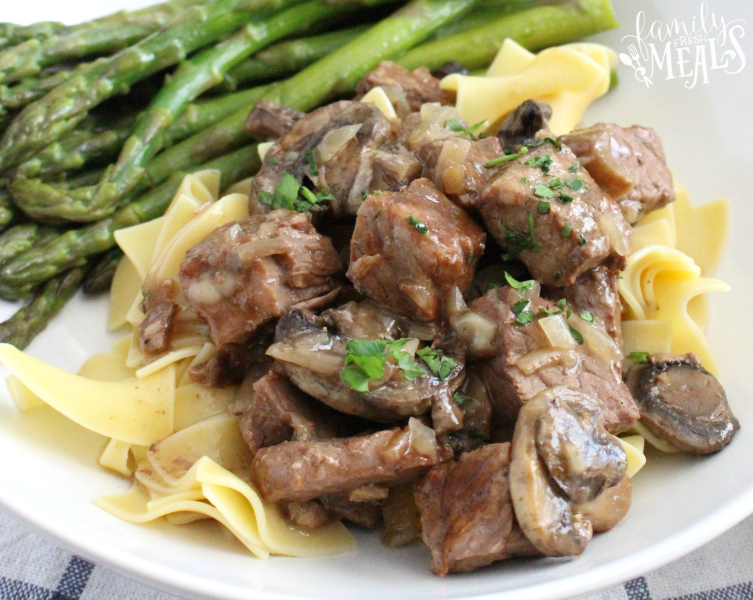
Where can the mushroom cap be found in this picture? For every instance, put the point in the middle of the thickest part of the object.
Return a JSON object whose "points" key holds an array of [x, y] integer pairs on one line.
{"points": [[682, 403]]}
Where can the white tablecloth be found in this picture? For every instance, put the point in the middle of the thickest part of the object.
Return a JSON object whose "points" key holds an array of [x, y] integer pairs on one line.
{"points": [[33, 568]]}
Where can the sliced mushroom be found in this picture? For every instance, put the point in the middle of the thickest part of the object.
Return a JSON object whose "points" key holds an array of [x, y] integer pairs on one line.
{"points": [[682, 403], [562, 457], [578, 452], [609, 507]]}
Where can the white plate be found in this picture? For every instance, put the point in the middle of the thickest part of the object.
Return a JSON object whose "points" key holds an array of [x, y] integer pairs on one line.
{"points": [[49, 479]]}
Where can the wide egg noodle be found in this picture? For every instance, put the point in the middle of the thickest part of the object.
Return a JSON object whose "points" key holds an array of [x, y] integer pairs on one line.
{"points": [[649, 335], [218, 437], [116, 457], [634, 445], [137, 243], [195, 402], [569, 78], [126, 285], [138, 411], [235, 504]]}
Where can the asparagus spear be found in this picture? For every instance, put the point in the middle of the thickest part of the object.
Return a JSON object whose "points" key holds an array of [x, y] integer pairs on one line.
{"points": [[31, 320], [18, 239], [286, 58], [99, 279], [73, 247], [192, 78], [534, 29], [12, 34], [63, 108]]}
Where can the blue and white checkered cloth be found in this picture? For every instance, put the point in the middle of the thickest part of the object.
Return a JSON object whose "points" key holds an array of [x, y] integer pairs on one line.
{"points": [[33, 568]]}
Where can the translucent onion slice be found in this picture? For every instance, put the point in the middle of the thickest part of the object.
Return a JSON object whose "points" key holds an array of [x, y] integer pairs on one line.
{"points": [[618, 239], [557, 331], [475, 331], [423, 439], [596, 339], [334, 141]]}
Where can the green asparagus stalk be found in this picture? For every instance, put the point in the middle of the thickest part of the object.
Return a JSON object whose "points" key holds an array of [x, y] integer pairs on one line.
{"points": [[18, 239], [8, 211], [73, 247], [12, 34], [76, 150], [194, 77], [31, 320], [99, 279], [533, 29], [285, 59], [47, 119]]}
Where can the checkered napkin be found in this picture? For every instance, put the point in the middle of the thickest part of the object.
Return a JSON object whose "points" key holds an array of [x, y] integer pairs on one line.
{"points": [[32, 568]]}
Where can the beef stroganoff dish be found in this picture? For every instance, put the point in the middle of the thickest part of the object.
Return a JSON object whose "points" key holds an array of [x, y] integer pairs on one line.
{"points": [[445, 307]]}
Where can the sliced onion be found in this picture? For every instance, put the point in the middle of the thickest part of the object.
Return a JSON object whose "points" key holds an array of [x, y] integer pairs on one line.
{"points": [[259, 248], [596, 339], [423, 439], [396, 448], [538, 359], [450, 164], [455, 302], [618, 238], [422, 331], [475, 331], [334, 141], [305, 352], [557, 331]]}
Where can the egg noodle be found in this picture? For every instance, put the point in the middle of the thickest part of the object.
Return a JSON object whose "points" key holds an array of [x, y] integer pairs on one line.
{"points": [[176, 439]]}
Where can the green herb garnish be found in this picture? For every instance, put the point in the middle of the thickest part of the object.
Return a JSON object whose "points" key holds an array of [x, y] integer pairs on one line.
{"points": [[458, 127], [639, 357], [438, 363], [575, 184], [286, 195], [566, 198], [519, 285], [542, 191], [587, 315], [543, 162], [576, 335], [565, 231], [469, 260], [506, 158], [544, 208], [461, 399], [313, 169], [419, 226], [521, 312], [552, 140]]}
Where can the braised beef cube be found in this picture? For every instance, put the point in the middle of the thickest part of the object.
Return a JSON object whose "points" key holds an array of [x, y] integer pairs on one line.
{"points": [[278, 412], [521, 125], [327, 150], [545, 209], [595, 292], [159, 308], [525, 362], [410, 249], [407, 90], [393, 169], [457, 166], [309, 515], [367, 515], [467, 513], [306, 470], [251, 271], [269, 121], [628, 163]]}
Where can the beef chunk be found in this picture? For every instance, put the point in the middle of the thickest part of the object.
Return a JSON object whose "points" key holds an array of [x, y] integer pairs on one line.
{"points": [[408, 90], [393, 169], [269, 121], [550, 212], [309, 515], [249, 272], [312, 350], [466, 512], [278, 412], [159, 309], [521, 125], [306, 470], [367, 515], [411, 248], [596, 292], [457, 166], [327, 149], [524, 363], [628, 163]]}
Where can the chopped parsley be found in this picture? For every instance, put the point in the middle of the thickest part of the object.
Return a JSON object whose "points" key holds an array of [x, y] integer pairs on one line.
{"points": [[565, 231], [313, 169], [461, 399], [582, 241], [639, 357], [519, 285], [287, 195], [543, 191], [561, 303], [524, 181], [552, 140], [544, 208], [543, 162], [469, 260], [575, 184], [377, 213], [419, 226], [555, 184], [272, 160], [365, 360], [492, 286], [565, 198], [587, 315], [457, 127], [521, 312], [574, 168], [576, 335], [438, 363], [506, 158], [517, 242]]}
